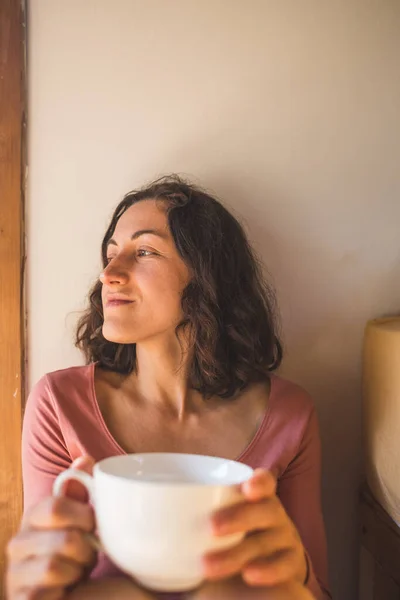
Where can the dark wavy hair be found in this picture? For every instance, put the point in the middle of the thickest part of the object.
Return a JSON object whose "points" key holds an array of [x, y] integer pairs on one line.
{"points": [[229, 309]]}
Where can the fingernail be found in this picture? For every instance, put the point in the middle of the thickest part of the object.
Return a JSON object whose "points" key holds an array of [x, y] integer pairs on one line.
{"points": [[251, 576], [248, 486]]}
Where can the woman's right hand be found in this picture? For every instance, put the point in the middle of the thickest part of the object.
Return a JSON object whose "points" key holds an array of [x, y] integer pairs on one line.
{"points": [[51, 551]]}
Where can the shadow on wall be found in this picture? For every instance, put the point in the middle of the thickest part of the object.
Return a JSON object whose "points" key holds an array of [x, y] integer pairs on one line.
{"points": [[325, 298]]}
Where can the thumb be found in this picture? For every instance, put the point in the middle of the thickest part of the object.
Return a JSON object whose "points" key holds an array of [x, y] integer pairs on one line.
{"points": [[260, 486], [75, 489]]}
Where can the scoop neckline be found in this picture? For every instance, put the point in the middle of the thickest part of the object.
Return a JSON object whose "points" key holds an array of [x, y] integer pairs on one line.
{"points": [[254, 440]]}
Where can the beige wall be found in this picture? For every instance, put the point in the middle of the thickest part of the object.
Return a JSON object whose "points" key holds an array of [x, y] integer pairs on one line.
{"points": [[286, 109]]}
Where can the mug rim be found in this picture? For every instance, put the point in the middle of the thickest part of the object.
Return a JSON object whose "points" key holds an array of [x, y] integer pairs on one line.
{"points": [[245, 470]]}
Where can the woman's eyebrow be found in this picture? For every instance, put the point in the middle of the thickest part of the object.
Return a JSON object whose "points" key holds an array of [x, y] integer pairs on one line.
{"points": [[140, 232]]}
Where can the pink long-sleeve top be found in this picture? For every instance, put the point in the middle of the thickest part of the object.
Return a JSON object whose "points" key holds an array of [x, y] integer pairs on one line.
{"points": [[63, 421]]}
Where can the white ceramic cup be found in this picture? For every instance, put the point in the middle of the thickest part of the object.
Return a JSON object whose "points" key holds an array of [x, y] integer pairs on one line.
{"points": [[153, 512]]}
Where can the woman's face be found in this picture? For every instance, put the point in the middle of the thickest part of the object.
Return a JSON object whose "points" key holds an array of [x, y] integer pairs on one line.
{"points": [[145, 277]]}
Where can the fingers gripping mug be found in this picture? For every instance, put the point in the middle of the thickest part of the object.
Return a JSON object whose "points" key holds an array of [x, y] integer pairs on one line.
{"points": [[153, 512]]}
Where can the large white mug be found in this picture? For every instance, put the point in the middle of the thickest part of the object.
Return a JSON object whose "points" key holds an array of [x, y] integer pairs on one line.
{"points": [[153, 512]]}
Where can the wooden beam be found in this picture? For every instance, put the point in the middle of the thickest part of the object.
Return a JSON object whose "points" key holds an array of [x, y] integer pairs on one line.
{"points": [[12, 173]]}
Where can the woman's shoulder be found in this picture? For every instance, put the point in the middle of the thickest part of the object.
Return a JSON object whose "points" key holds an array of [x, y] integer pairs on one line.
{"points": [[63, 406], [57, 385], [289, 420], [291, 411], [290, 400], [71, 374]]}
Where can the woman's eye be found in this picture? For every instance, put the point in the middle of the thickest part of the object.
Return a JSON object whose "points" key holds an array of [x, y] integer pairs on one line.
{"points": [[109, 259], [143, 252]]}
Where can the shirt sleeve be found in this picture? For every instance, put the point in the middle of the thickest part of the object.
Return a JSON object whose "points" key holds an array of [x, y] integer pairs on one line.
{"points": [[299, 489], [44, 453]]}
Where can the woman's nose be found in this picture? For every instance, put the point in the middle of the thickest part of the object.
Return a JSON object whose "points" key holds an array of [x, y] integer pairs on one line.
{"points": [[114, 274]]}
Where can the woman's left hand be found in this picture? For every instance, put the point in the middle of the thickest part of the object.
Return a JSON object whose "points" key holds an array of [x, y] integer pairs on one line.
{"points": [[271, 552]]}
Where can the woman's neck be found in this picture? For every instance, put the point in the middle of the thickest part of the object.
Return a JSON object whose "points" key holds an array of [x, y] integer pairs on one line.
{"points": [[162, 375]]}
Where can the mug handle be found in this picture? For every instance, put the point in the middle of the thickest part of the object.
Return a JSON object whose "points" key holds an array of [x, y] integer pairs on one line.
{"points": [[87, 481], [84, 478]]}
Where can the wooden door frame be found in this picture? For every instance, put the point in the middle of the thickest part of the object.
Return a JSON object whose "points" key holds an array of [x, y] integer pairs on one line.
{"points": [[12, 263]]}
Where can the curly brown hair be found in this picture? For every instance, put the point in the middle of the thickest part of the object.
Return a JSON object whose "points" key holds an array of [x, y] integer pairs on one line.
{"points": [[228, 307]]}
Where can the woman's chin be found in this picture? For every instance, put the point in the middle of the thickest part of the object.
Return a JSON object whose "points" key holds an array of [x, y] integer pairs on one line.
{"points": [[115, 335]]}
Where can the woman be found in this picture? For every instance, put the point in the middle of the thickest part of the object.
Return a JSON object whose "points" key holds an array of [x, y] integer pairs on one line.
{"points": [[181, 344]]}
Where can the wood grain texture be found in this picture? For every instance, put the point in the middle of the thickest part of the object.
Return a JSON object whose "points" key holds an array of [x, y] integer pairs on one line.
{"points": [[11, 268]]}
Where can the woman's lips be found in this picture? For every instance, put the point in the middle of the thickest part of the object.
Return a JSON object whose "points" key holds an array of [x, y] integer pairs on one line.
{"points": [[113, 303]]}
